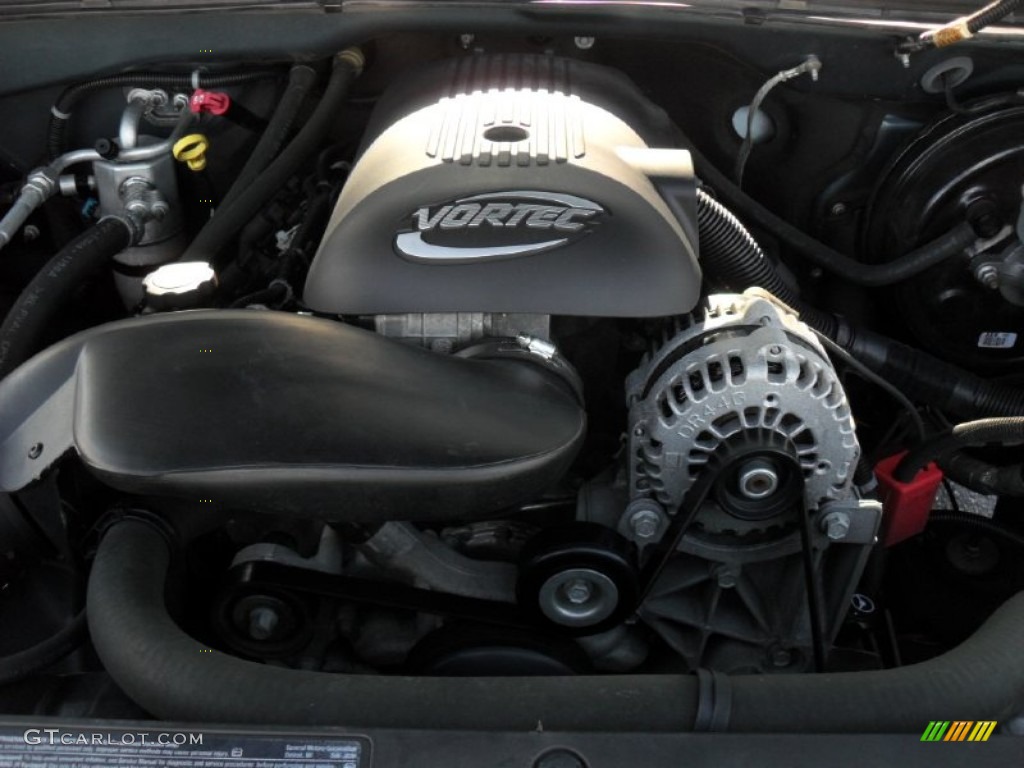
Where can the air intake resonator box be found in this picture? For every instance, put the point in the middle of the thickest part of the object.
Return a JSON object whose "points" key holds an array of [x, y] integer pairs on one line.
{"points": [[266, 411], [519, 186]]}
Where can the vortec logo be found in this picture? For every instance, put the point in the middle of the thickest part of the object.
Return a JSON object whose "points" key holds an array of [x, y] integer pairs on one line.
{"points": [[497, 226]]}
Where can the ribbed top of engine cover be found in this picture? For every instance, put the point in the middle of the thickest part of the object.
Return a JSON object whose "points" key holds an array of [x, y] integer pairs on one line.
{"points": [[464, 131], [500, 95], [497, 184]]}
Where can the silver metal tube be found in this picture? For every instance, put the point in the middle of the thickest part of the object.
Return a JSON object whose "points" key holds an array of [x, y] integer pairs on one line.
{"points": [[72, 158], [43, 183], [30, 199], [151, 151], [128, 133]]}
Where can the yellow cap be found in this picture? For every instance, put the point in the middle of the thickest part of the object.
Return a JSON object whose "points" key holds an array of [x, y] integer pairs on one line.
{"points": [[191, 150]]}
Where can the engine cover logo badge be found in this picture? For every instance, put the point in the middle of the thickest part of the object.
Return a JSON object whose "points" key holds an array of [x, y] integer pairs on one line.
{"points": [[497, 225]]}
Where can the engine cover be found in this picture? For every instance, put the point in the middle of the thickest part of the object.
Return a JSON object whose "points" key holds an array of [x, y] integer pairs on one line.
{"points": [[513, 192]]}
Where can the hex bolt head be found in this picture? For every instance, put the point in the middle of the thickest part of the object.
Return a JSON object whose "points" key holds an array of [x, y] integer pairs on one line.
{"points": [[578, 591], [645, 523], [836, 525], [263, 622]]}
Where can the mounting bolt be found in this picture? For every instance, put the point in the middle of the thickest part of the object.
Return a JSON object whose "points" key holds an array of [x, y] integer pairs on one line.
{"points": [[263, 622], [645, 523], [987, 275], [35, 451], [836, 525], [30, 233], [584, 43], [578, 591], [838, 209]]}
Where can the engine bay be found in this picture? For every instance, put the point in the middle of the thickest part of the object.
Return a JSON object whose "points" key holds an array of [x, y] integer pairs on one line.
{"points": [[339, 387]]}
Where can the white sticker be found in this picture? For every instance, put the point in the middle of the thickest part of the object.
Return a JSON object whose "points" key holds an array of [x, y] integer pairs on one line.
{"points": [[997, 340]]}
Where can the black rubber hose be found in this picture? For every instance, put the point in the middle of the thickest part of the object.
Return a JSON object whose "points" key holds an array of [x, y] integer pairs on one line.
{"points": [[819, 254], [161, 669], [301, 79], [733, 257], [930, 380], [1000, 431], [22, 664], [229, 219], [24, 329], [982, 477], [60, 113]]}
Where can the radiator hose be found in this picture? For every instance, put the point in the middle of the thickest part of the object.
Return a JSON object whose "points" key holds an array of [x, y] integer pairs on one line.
{"points": [[162, 670]]}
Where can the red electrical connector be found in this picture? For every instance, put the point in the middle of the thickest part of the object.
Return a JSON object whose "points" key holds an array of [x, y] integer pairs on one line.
{"points": [[212, 102], [906, 505]]}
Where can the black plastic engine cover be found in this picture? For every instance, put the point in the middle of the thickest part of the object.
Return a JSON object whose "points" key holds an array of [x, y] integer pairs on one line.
{"points": [[288, 414], [518, 188]]}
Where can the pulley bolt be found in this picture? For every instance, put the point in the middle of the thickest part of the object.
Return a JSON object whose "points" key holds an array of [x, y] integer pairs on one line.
{"points": [[578, 591], [836, 525], [987, 275], [758, 479], [645, 523], [263, 622]]}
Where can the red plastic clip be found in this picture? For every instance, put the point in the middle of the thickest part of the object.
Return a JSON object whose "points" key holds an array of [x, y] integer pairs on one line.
{"points": [[213, 102], [906, 505]]}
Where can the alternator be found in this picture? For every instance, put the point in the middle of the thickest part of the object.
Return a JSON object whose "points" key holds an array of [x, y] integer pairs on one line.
{"points": [[750, 374]]}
